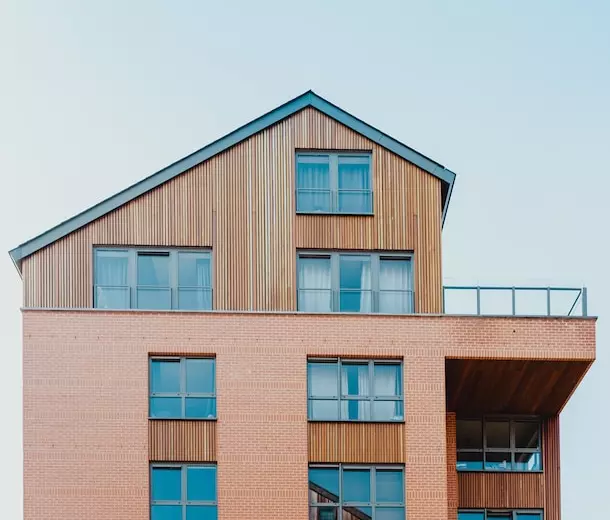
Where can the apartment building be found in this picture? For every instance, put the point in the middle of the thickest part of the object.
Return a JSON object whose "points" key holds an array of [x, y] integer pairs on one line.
{"points": [[260, 330]]}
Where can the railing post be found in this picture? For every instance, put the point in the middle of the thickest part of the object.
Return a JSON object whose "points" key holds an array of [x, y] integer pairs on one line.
{"points": [[584, 301], [548, 301], [478, 301], [514, 302]]}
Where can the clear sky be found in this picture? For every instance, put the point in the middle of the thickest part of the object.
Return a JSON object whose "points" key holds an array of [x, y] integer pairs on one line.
{"points": [[514, 96]]}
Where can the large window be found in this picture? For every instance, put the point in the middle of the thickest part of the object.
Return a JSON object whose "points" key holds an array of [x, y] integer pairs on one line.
{"points": [[524, 514], [354, 390], [334, 183], [498, 444], [182, 388], [152, 279], [356, 493], [179, 492], [354, 282]]}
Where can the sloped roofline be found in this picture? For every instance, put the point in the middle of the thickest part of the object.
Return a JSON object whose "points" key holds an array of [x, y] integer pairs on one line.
{"points": [[308, 99]]}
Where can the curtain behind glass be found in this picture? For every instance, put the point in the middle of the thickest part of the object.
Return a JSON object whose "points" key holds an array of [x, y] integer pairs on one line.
{"points": [[355, 283], [314, 285], [313, 184], [354, 186], [112, 289], [395, 289], [355, 382], [194, 281]]}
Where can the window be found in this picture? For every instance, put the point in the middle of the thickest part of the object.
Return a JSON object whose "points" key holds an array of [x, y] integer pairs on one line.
{"points": [[152, 279], [498, 515], [356, 492], [183, 388], [354, 390], [354, 282], [334, 183], [183, 491], [498, 444]]}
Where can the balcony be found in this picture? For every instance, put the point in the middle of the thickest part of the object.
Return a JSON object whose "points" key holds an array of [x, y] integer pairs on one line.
{"points": [[514, 301]]}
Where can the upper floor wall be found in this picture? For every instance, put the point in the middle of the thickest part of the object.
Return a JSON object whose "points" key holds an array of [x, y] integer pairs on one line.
{"points": [[241, 204]]}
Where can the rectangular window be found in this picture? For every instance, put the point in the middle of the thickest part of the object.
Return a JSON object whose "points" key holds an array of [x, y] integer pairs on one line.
{"points": [[354, 282], [360, 492], [182, 388], [524, 514], [334, 183], [498, 444], [179, 492], [354, 390], [152, 279]]}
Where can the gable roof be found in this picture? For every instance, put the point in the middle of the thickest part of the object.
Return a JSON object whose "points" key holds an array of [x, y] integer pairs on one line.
{"points": [[308, 99]]}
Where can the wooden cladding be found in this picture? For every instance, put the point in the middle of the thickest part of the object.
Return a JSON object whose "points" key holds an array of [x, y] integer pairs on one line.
{"points": [[242, 204], [501, 490], [356, 442], [181, 441], [550, 457]]}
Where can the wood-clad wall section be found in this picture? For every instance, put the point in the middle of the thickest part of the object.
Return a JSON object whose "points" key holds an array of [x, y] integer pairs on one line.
{"points": [[356, 442], [181, 441], [242, 204], [501, 490], [551, 463]]}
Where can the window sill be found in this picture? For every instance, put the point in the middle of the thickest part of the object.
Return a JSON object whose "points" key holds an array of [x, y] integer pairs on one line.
{"points": [[402, 421], [208, 419], [502, 472], [336, 214]]}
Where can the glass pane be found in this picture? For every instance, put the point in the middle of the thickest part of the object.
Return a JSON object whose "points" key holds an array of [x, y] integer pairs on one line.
{"points": [[111, 268], [396, 302], [357, 513], [355, 380], [201, 483], [327, 410], [165, 407], [471, 515], [356, 485], [200, 407], [469, 434], [313, 183], [389, 486], [323, 513], [201, 513], [166, 512], [166, 484], [355, 410], [194, 299], [112, 298], [355, 283], [194, 270], [313, 201], [527, 462], [153, 269], [314, 284], [323, 379], [325, 483], [164, 376], [200, 375], [355, 301], [355, 202], [498, 461], [529, 516], [497, 434], [388, 380], [526, 434], [469, 461], [149, 298], [389, 513], [388, 411], [395, 275], [315, 300], [354, 173], [507, 516]]}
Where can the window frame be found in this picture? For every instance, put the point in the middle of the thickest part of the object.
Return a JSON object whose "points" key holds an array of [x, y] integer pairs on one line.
{"points": [[376, 257], [371, 398], [333, 180], [512, 449], [182, 394], [373, 504], [183, 502], [512, 512], [174, 287]]}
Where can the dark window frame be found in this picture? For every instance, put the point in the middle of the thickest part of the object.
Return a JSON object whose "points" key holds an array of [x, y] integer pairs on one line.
{"points": [[333, 190], [174, 288], [182, 394], [491, 513], [512, 449], [372, 398]]}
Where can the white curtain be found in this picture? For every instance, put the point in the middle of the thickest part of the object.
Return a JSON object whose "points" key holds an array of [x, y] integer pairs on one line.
{"points": [[387, 380], [354, 177], [365, 285], [204, 280], [353, 386], [112, 291], [395, 286], [314, 284], [313, 176]]}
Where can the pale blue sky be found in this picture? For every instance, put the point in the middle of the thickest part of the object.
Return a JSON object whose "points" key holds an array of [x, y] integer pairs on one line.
{"points": [[514, 96]]}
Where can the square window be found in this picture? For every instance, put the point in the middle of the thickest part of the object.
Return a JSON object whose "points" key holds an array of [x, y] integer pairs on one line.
{"points": [[527, 434], [497, 434], [356, 485], [389, 485], [166, 484], [469, 434], [165, 376], [201, 483]]}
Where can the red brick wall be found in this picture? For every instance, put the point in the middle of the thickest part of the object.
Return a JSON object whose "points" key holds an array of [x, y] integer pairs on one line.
{"points": [[85, 400], [452, 475]]}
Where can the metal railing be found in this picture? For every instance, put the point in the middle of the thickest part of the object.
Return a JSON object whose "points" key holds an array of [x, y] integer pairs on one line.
{"points": [[515, 301]]}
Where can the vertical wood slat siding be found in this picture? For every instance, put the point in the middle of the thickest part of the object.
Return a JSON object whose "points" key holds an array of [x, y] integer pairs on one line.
{"points": [[181, 441], [242, 204], [551, 462], [356, 442], [501, 490]]}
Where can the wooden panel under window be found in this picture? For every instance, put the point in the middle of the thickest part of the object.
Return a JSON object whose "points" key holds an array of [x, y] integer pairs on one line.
{"points": [[550, 457], [181, 441], [241, 203], [356, 442], [501, 490]]}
